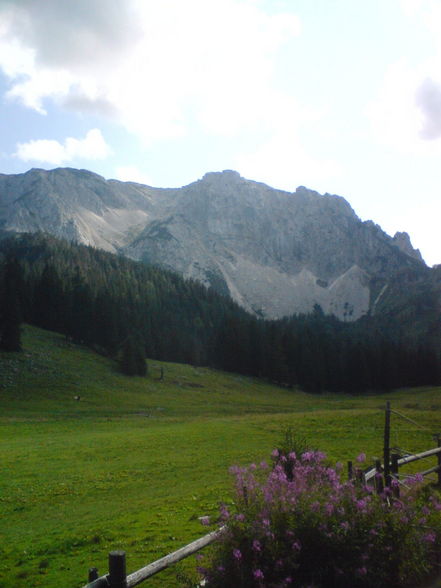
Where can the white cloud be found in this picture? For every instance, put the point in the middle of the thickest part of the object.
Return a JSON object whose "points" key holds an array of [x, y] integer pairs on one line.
{"points": [[155, 67], [93, 146], [428, 99], [282, 161], [406, 113], [394, 116], [130, 173]]}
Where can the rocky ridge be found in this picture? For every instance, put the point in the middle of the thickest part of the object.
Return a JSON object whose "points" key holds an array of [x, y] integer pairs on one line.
{"points": [[276, 253]]}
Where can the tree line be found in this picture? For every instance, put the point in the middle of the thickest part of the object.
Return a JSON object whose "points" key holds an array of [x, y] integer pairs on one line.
{"points": [[130, 311]]}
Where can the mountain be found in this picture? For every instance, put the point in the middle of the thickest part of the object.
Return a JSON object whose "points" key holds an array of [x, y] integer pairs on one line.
{"points": [[274, 252]]}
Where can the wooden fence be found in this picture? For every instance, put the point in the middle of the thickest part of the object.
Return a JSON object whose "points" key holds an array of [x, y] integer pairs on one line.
{"points": [[387, 475], [117, 578], [383, 474]]}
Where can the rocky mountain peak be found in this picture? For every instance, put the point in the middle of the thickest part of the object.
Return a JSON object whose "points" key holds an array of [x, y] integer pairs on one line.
{"points": [[227, 175], [403, 242]]}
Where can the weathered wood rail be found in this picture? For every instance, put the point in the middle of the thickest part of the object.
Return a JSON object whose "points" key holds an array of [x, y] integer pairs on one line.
{"points": [[397, 461], [117, 578], [383, 475]]}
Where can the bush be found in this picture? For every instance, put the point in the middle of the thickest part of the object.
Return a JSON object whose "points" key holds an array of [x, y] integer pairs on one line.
{"points": [[308, 528]]}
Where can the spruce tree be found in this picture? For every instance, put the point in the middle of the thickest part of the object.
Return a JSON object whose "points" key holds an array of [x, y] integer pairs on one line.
{"points": [[10, 335], [132, 360]]}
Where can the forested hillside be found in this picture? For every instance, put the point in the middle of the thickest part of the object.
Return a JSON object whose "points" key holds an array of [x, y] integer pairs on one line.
{"points": [[129, 311]]}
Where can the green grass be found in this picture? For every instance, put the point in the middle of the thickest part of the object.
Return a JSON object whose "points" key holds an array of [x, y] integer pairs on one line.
{"points": [[135, 463]]}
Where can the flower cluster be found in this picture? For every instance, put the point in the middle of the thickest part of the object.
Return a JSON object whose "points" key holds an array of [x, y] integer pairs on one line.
{"points": [[299, 524]]}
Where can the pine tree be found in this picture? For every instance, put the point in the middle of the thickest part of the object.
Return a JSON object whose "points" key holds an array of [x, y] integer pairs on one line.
{"points": [[10, 335], [49, 300], [132, 361]]}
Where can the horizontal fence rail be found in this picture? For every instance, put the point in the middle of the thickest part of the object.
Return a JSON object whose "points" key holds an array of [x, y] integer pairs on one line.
{"points": [[417, 456], [116, 577], [371, 472]]}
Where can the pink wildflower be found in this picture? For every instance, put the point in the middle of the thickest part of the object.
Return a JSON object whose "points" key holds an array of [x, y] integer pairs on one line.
{"points": [[225, 513], [430, 537], [361, 458], [257, 546], [329, 508], [237, 554], [361, 504], [258, 574]]}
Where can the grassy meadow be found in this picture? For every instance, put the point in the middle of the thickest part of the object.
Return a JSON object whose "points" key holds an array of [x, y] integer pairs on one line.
{"points": [[136, 461]]}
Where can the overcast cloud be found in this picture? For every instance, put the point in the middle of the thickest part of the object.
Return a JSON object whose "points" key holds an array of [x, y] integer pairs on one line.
{"points": [[142, 62], [72, 34]]}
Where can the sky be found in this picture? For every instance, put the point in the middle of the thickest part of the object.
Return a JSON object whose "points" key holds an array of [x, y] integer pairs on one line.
{"points": [[340, 96]]}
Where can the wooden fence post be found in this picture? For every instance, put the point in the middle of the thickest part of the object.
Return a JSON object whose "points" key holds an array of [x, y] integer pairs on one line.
{"points": [[379, 477], [350, 470], [117, 569], [386, 448], [438, 439], [394, 470]]}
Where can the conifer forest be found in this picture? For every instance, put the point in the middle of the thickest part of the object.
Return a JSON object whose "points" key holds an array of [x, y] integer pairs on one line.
{"points": [[131, 311]]}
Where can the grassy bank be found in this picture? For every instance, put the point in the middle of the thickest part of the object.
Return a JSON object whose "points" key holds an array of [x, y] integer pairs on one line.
{"points": [[135, 462]]}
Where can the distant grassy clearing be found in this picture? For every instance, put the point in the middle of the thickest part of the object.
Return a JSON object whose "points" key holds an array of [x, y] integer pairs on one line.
{"points": [[135, 462]]}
